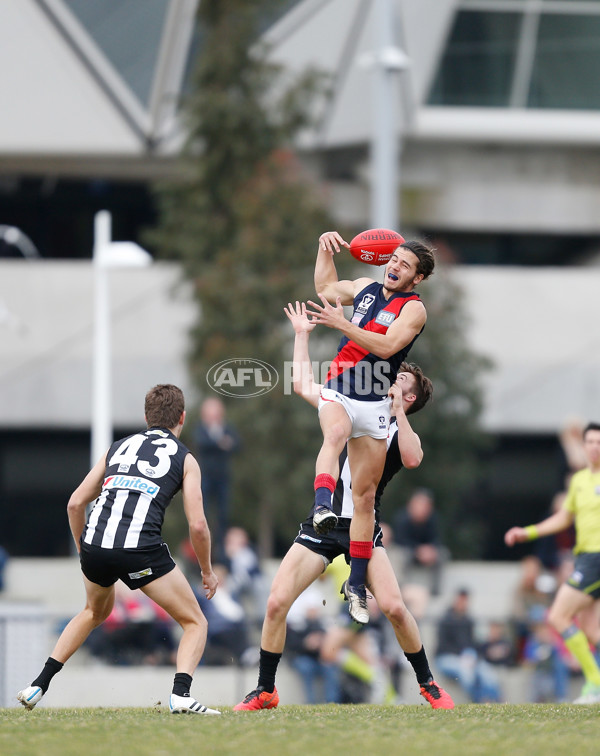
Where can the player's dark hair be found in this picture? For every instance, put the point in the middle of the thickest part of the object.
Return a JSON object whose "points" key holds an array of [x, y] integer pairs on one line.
{"points": [[591, 427], [163, 406], [425, 256], [423, 388]]}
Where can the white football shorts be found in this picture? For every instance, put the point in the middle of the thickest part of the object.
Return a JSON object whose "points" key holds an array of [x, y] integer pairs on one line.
{"points": [[367, 418]]}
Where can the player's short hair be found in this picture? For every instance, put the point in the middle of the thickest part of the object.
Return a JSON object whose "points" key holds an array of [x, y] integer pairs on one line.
{"points": [[424, 254], [423, 388], [591, 427], [163, 406]]}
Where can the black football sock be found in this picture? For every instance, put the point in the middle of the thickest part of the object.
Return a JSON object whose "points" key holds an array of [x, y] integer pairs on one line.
{"points": [[51, 667], [267, 670], [182, 684], [420, 664]]}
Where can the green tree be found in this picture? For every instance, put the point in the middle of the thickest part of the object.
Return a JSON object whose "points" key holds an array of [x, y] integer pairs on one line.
{"points": [[244, 218]]}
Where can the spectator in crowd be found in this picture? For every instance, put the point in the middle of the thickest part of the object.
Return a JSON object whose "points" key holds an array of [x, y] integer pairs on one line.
{"points": [[228, 639], [498, 649], [554, 548], [246, 581], [416, 531], [306, 631], [457, 654], [216, 441], [542, 653], [533, 594]]}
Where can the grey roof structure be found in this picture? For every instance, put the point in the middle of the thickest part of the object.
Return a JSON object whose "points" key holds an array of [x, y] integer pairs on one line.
{"points": [[82, 78]]}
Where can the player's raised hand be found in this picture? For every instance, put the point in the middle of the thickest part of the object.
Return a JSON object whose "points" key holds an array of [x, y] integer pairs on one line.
{"points": [[326, 314], [298, 317], [330, 241], [395, 394]]}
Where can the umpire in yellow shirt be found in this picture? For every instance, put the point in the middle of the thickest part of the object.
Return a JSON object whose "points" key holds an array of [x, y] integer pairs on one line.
{"points": [[582, 588]]}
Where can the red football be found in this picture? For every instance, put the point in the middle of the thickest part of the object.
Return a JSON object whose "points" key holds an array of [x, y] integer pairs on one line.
{"points": [[375, 246]]}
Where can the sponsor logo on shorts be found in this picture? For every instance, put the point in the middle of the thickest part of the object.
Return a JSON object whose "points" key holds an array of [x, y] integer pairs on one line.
{"points": [[140, 574], [132, 483], [310, 538], [576, 578]]}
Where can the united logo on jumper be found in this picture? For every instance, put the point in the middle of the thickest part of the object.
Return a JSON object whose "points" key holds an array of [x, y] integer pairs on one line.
{"points": [[131, 483]]}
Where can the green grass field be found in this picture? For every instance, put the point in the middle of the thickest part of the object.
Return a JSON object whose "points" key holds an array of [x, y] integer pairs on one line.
{"points": [[515, 730]]}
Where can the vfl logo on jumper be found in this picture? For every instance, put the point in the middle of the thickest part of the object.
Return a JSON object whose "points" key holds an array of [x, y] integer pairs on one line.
{"points": [[131, 483], [363, 308], [385, 318], [242, 378], [382, 423]]}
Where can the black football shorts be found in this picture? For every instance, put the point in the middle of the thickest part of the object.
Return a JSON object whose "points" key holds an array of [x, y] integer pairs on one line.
{"points": [[135, 567], [336, 542]]}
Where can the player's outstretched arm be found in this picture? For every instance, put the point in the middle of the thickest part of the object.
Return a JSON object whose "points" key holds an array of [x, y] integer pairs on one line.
{"points": [[303, 378], [403, 330], [88, 490], [560, 520], [199, 533]]}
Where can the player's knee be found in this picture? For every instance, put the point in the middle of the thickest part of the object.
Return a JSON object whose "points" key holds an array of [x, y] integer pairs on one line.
{"points": [[195, 620], [364, 501], [336, 435], [395, 610], [99, 614], [557, 619], [189, 614], [277, 606]]}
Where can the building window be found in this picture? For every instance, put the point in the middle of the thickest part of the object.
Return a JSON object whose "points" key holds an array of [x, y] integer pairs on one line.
{"points": [[478, 63], [566, 68], [521, 53]]}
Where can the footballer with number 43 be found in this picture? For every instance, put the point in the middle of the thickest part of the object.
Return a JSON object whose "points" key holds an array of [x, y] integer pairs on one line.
{"points": [[354, 405]]}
